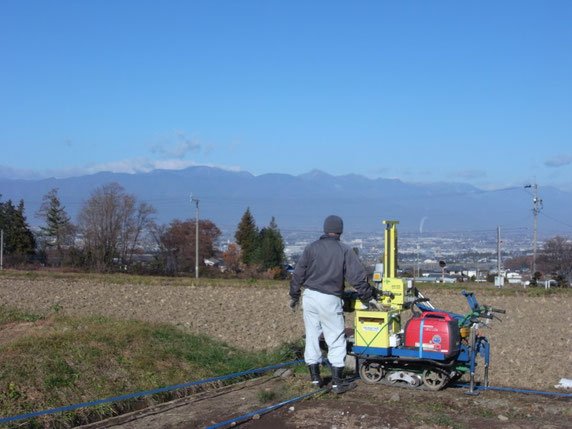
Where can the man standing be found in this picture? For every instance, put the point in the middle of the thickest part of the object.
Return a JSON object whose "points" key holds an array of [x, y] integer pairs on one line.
{"points": [[322, 270]]}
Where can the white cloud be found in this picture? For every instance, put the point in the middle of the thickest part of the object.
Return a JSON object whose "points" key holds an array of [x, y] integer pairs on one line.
{"points": [[128, 166], [468, 174], [178, 146], [559, 160], [24, 174]]}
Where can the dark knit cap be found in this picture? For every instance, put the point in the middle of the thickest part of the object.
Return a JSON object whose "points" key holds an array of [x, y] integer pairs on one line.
{"points": [[334, 224]]}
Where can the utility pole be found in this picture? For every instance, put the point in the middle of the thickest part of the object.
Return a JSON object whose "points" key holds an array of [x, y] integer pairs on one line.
{"points": [[498, 251], [499, 280], [196, 236], [536, 207], [1, 249]]}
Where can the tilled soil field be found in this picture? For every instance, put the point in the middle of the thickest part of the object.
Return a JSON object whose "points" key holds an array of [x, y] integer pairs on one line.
{"points": [[530, 349]]}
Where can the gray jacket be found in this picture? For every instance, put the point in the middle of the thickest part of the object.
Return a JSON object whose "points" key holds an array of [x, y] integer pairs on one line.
{"points": [[324, 266]]}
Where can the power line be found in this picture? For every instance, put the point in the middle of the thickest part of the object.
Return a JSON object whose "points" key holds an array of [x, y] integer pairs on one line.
{"points": [[556, 220]]}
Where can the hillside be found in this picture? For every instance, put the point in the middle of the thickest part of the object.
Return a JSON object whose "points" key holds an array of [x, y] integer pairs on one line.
{"points": [[300, 203]]}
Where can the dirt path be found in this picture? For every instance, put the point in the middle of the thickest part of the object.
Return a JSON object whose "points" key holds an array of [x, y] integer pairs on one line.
{"points": [[196, 411], [365, 407]]}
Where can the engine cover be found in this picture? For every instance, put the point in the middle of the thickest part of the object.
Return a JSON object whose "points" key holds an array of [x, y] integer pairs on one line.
{"points": [[438, 331]]}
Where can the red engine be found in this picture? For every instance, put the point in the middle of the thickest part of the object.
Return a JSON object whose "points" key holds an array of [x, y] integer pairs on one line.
{"points": [[439, 333]]}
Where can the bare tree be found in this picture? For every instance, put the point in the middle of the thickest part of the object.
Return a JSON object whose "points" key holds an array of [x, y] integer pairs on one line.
{"points": [[177, 242], [556, 258], [231, 257], [112, 223]]}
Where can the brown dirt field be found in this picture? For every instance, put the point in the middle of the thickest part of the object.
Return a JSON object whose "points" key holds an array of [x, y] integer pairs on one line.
{"points": [[366, 406], [530, 349]]}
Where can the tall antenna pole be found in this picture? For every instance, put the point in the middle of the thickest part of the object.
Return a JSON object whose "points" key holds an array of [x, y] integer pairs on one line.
{"points": [[536, 207], [499, 264], [1, 249], [196, 236], [535, 210], [499, 279]]}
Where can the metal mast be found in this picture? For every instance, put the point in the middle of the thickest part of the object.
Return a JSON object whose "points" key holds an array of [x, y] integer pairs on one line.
{"points": [[536, 207], [196, 236], [499, 262]]}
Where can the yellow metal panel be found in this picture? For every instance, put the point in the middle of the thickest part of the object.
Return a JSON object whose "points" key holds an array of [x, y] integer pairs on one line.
{"points": [[398, 288], [372, 328], [390, 255]]}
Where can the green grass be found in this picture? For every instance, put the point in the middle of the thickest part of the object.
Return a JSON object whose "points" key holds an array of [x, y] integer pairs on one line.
{"points": [[8, 315], [70, 360], [446, 421], [127, 279], [490, 289], [279, 394]]}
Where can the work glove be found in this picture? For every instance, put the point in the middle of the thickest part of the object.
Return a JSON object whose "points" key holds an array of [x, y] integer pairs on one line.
{"points": [[293, 304], [373, 303]]}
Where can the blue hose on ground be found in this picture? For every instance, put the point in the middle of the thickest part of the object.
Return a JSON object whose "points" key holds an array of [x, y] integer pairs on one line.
{"points": [[265, 410], [298, 398], [148, 392], [506, 389], [273, 407]]}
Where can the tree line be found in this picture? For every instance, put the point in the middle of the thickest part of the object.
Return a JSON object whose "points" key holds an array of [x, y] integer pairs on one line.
{"points": [[113, 231], [554, 261]]}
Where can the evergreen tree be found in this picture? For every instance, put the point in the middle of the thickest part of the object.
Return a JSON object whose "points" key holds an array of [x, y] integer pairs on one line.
{"points": [[247, 237], [58, 229], [271, 247], [19, 242]]}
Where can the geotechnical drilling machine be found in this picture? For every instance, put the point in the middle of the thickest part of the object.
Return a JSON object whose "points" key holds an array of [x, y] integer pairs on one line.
{"points": [[432, 349]]}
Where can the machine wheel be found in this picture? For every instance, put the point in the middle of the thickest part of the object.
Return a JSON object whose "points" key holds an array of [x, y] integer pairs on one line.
{"points": [[371, 373], [434, 380]]}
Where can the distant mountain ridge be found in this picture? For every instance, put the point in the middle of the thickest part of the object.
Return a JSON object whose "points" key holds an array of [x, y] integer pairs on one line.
{"points": [[301, 202]]}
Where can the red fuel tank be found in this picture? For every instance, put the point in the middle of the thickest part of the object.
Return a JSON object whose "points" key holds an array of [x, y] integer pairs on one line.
{"points": [[440, 333]]}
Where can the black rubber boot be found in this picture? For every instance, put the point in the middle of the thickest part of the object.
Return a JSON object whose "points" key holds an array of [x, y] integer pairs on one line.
{"points": [[315, 375], [339, 385]]}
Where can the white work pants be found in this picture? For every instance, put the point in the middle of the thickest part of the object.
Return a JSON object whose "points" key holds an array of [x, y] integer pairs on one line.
{"points": [[324, 313]]}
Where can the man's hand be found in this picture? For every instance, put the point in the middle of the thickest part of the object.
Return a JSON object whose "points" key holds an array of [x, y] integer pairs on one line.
{"points": [[375, 294], [373, 304], [293, 304]]}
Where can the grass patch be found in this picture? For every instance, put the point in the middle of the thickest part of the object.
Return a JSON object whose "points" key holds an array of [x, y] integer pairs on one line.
{"points": [[491, 290], [8, 315], [446, 421], [279, 394], [132, 279], [81, 359], [145, 280]]}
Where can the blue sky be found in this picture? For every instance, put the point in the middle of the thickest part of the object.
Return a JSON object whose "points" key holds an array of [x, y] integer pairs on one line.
{"points": [[424, 91]]}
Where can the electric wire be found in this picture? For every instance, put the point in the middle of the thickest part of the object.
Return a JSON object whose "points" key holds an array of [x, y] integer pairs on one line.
{"points": [[555, 220]]}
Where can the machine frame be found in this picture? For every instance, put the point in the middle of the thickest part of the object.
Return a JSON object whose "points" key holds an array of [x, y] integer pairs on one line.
{"points": [[378, 341]]}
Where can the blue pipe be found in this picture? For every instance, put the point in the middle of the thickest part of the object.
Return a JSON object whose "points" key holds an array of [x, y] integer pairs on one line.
{"points": [[273, 407], [148, 392], [506, 389], [265, 410]]}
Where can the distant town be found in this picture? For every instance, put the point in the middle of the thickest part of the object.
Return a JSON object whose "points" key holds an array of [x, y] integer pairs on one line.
{"points": [[468, 256]]}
